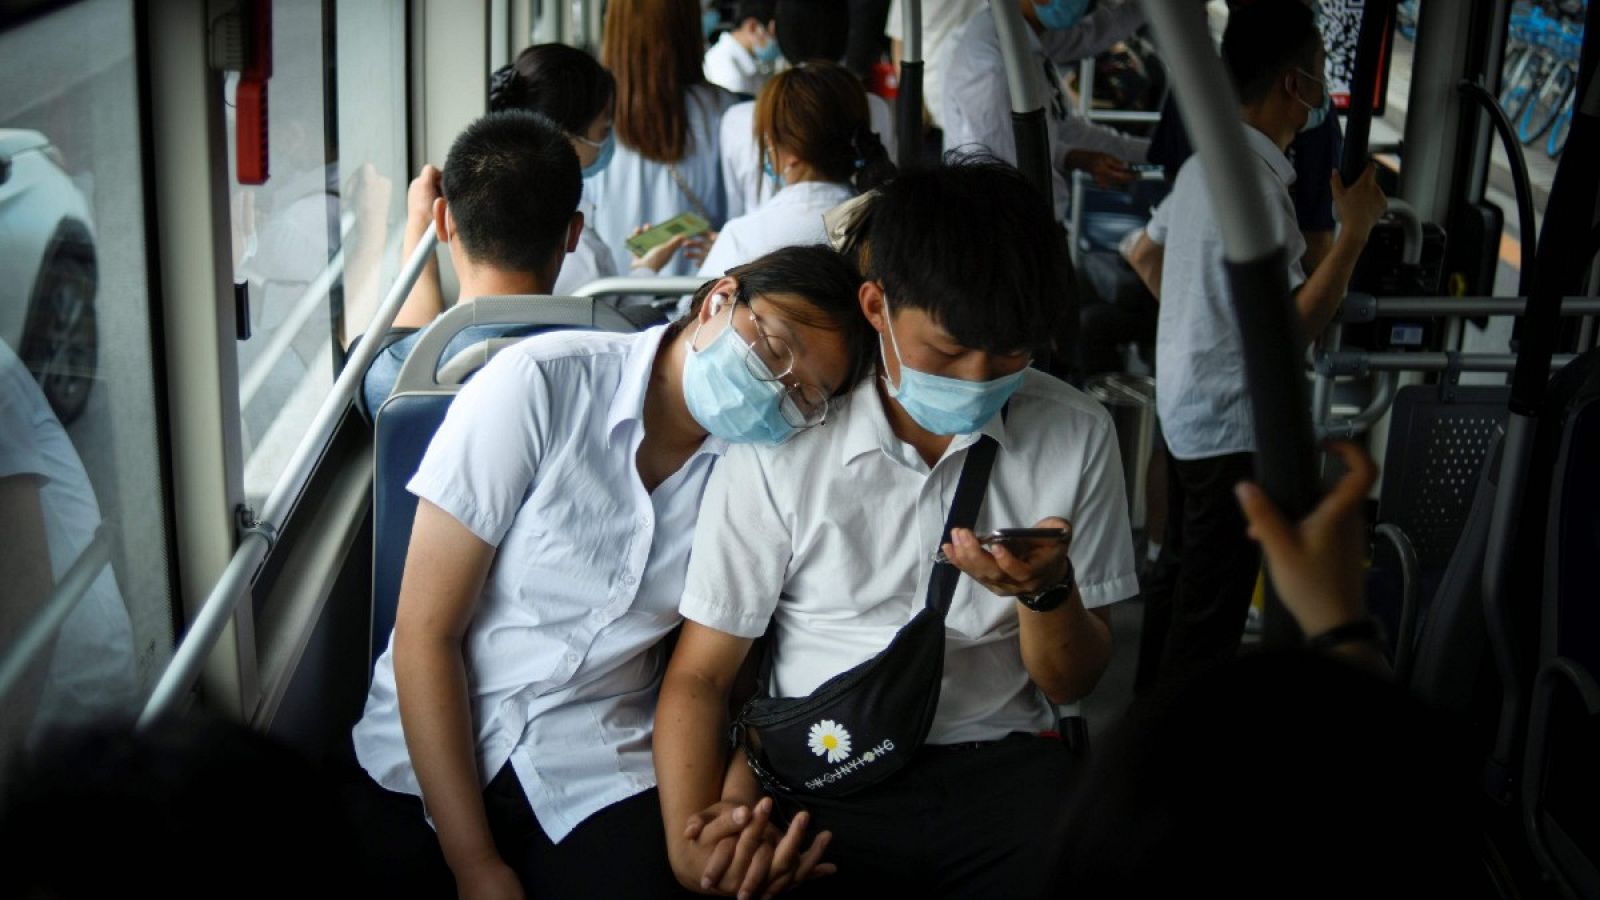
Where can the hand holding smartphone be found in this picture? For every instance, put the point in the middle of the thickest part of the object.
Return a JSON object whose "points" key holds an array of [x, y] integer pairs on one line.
{"points": [[685, 224], [1017, 538]]}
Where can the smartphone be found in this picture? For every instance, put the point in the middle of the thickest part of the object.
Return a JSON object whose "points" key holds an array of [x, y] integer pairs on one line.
{"points": [[1025, 536], [687, 224]]}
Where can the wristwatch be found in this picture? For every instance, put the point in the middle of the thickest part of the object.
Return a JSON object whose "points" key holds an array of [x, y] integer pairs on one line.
{"points": [[1053, 596]]}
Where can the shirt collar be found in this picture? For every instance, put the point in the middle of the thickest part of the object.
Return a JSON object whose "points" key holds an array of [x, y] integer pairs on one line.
{"points": [[866, 426], [627, 404], [1270, 154]]}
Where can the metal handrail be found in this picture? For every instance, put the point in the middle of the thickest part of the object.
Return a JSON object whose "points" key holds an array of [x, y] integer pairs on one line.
{"points": [[659, 286], [198, 642], [1365, 308], [1360, 362], [63, 600]]}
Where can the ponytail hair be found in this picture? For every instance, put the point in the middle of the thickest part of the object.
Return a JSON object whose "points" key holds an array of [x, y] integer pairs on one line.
{"points": [[818, 112], [561, 83]]}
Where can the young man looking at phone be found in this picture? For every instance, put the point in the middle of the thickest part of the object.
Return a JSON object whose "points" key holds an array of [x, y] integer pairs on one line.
{"points": [[831, 537]]}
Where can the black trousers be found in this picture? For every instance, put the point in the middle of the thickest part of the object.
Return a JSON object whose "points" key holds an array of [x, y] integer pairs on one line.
{"points": [[620, 851], [959, 821], [1195, 605]]}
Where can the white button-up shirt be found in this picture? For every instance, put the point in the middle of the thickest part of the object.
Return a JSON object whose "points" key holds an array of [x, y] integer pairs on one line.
{"points": [[745, 185], [830, 537], [977, 105], [791, 218], [1201, 393], [633, 191], [729, 65], [536, 457], [941, 29]]}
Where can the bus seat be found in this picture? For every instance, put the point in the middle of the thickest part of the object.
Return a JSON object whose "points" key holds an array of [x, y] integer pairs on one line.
{"points": [[408, 419], [1108, 215]]}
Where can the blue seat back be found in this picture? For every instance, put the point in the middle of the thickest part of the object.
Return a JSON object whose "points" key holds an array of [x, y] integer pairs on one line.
{"points": [[408, 420]]}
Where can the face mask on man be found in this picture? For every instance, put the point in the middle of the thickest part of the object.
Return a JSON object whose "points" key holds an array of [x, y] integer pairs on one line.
{"points": [[1319, 113], [1058, 14], [725, 397], [769, 52], [945, 405]]}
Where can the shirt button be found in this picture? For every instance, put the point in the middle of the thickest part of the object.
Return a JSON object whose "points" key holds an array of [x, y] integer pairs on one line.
{"points": [[572, 657], [628, 579]]}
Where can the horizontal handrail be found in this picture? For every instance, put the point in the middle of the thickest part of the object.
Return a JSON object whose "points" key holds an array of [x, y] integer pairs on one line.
{"points": [[1124, 115], [1365, 307], [63, 600], [184, 669], [1358, 362], [1385, 387], [625, 285]]}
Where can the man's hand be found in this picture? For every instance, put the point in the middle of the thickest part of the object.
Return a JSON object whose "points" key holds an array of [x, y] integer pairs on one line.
{"points": [[424, 189], [1106, 170], [1316, 563], [1359, 205], [1025, 568]]}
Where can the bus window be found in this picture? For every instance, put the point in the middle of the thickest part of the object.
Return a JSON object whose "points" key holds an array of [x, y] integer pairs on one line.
{"points": [[79, 448], [312, 244]]}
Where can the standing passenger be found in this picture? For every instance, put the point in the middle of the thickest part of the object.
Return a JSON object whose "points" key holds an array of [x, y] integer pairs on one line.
{"points": [[666, 124], [819, 150], [741, 60], [1273, 52]]}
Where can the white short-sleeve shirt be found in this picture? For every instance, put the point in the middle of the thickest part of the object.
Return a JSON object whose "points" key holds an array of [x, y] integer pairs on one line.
{"points": [[742, 179], [941, 29], [977, 105], [633, 191], [793, 217], [830, 537], [1201, 393], [536, 457], [91, 671]]}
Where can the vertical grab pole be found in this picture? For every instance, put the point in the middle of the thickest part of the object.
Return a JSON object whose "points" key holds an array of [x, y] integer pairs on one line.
{"points": [[1377, 19], [908, 105], [1258, 271], [1027, 112]]}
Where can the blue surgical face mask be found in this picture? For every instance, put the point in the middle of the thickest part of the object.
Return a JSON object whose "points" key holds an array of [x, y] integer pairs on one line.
{"points": [[709, 20], [608, 148], [770, 172], [727, 399], [1058, 14], [1319, 113], [770, 52], [946, 405]]}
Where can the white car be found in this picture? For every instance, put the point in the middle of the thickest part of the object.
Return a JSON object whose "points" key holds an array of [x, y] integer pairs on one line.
{"points": [[47, 263]]}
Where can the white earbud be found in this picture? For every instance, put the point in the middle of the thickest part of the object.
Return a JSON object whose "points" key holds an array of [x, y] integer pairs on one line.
{"points": [[716, 302]]}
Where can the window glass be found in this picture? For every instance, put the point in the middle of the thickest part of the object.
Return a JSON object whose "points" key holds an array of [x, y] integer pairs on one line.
{"points": [[311, 244], [79, 449]]}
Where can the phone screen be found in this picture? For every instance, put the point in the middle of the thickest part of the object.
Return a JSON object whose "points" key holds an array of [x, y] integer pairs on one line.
{"points": [[687, 224]]}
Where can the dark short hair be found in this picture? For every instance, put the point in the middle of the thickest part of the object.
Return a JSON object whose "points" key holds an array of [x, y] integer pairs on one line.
{"points": [[563, 84], [813, 29], [760, 10], [975, 245], [824, 280], [1266, 39], [512, 182]]}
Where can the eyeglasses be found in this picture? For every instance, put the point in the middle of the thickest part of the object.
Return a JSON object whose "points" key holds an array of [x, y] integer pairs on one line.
{"points": [[770, 359]]}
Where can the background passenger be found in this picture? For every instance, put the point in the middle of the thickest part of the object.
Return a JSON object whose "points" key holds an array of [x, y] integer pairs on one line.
{"points": [[556, 508], [666, 124], [977, 103], [742, 59], [820, 150], [829, 539], [807, 30], [1271, 49]]}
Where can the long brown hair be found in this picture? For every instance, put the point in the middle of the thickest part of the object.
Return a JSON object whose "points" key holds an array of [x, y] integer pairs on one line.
{"points": [[818, 112], [655, 50]]}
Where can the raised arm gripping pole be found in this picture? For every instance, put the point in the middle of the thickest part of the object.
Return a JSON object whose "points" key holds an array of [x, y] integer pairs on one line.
{"points": [[1258, 269], [182, 672]]}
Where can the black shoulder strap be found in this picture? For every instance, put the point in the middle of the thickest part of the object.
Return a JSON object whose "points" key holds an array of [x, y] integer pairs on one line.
{"points": [[970, 488]]}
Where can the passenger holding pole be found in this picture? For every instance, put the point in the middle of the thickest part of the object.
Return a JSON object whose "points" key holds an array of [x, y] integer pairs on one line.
{"points": [[1274, 53]]}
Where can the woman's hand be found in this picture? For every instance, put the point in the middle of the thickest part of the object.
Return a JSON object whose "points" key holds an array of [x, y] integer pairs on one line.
{"points": [[658, 256], [1315, 563], [1028, 569]]}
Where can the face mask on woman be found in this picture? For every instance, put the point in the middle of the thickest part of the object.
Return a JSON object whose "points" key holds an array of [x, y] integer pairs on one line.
{"points": [[725, 397], [1058, 14], [945, 405], [607, 148]]}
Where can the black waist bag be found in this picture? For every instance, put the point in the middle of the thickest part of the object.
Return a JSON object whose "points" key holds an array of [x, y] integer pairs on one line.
{"points": [[863, 725]]}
